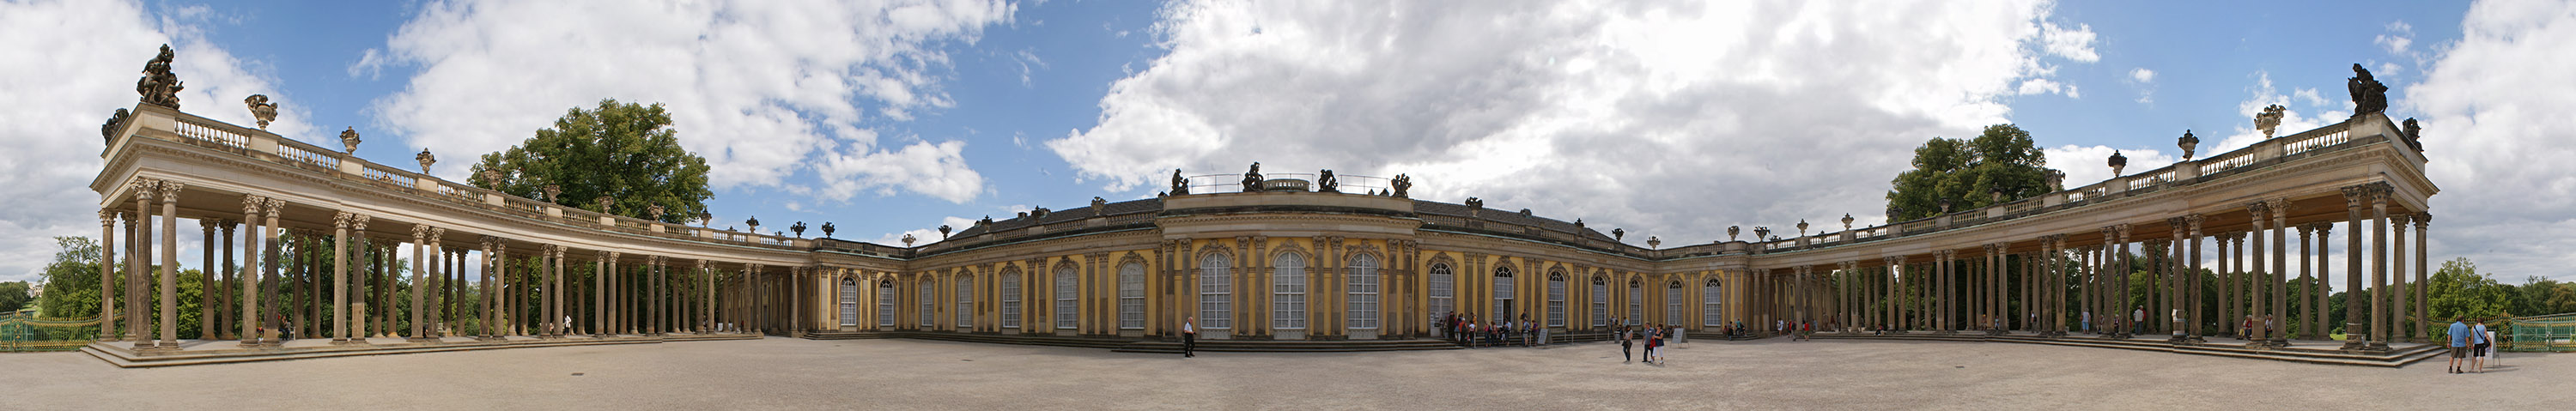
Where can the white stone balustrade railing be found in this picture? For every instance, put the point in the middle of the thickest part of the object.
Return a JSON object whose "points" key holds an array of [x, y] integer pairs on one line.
{"points": [[212, 132]]}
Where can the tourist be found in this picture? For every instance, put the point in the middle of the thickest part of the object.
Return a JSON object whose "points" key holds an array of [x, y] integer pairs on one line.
{"points": [[2087, 322], [2138, 321], [1654, 340], [1190, 337], [2480, 341], [1626, 342], [2459, 343], [1528, 330]]}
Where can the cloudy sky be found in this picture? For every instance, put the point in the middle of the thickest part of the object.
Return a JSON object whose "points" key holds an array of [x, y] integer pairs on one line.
{"points": [[1669, 119]]}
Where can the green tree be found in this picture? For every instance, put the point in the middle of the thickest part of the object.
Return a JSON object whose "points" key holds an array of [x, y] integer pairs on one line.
{"points": [[624, 151], [71, 281], [2459, 290], [1970, 173], [13, 296]]}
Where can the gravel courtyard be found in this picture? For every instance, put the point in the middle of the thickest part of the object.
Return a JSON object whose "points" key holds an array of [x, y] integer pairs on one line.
{"points": [[905, 374]]}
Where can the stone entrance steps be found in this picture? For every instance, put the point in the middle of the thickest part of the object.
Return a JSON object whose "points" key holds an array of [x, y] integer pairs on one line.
{"points": [[1142, 346], [1174, 347], [198, 352], [2397, 357]]}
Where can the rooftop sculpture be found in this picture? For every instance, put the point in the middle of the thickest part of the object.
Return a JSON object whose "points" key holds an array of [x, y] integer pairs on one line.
{"points": [[159, 86]]}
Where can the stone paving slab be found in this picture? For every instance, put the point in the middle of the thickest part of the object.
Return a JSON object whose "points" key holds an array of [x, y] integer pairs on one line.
{"points": [[781, 373]]}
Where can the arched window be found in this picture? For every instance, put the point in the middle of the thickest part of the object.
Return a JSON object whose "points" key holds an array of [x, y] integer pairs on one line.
{"points": [[849, 302], [1673, 303], [1636, 302], [1010, 298], [1288, 291], [1556, 299], [1600, 302], [965, 301], [1503, 308], [929, 300], [1710, 313], [1131, 296], [1363, 290], [1444, 286], [1067, 289], [885, 303], [1216, 291]]}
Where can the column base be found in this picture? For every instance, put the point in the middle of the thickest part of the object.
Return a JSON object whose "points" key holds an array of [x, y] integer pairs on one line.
{"points": [[340, 341], [2354, 345]]}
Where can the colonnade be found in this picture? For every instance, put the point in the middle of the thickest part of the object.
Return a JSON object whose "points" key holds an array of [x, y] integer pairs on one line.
{"points": [[2125, 279], [342, 283]]}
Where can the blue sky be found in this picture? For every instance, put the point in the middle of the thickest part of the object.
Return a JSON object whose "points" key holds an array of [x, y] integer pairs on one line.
{"points": [[1668, 119]]}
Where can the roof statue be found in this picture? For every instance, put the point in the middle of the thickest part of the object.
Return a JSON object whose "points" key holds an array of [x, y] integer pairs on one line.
{"points": [[1402, 183], [1252, 179], [1180, 185], [2270, 119], [2188, 143], [2368, 96], [349, 140], [2414, 132], [2118, 162], [159, 86], [1326, 183], [114, 125]]}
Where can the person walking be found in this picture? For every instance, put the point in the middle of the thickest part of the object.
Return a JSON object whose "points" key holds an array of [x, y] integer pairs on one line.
{"points": [[2459, 333], [2480, 340], [1627, 341], [2138, 321], [1654, 340], [1190, 337]]}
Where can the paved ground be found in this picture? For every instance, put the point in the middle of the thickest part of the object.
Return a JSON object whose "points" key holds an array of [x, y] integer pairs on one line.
{"points": [[905, 374]]}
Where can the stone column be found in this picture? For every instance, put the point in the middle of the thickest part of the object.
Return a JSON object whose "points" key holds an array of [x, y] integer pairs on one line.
{"points": [[2228, 290], [2379, 294], [210, 286], [419, 276], [271, 252], [2258, 279], [355, 315], [107, 274], [491, 288], [2306, 291], [170, 265], [706, 297], [249, 317], [2423, 321], [2398, 324], [2353, 317], [554, 319], [599, 296], [2120, 306], [2324, 288], [137, 330]]}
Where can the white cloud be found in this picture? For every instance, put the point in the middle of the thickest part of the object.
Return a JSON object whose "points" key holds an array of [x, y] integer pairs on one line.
{"points": [[2073, 44], [2145, 81], [761, 89], [2494, 129], [78, 62], [925, 236], [2085, 165], [2315, 112], [2399, 37], [1625, 115]]}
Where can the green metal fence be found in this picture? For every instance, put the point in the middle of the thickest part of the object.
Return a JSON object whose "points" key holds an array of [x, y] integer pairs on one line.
{"points": [[2548, 333], [21, 333]]}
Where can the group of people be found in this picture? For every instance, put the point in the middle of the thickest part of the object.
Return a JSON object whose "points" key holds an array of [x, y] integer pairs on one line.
{"points": [[1654, 336], [1467, 331], [2470, 344]]}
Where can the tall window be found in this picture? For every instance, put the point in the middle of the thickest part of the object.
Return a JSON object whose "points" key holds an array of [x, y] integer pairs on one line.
{"points": [[1600, 302], [965, 301], [1363, 289], [1288, 288], [1443, 288], [1066, 289], [1216, 292], [1673, 303], [1503, 293], [1710, 314], [1010, 298], [885, 304], [1556, 299], [1131, 296], [849, 302], [1636, 301], [929, 300]]}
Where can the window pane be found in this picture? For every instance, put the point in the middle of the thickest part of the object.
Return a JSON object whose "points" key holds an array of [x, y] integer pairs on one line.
{"points": [[1066, 289], [1216, 292], [1131, 296], [1288, 286], [1600, 305], [1011, 299], [1556, 300], [1443, 288], [965, 302], [1363, 290]]}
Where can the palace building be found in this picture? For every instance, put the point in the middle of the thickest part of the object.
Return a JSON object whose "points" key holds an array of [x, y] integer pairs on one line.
{"points": [[1267, 259]]}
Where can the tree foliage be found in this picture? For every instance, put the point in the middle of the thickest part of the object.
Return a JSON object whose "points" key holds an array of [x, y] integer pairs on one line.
{"points": [[625, 151], [13, 296], [1968, 173], [71, 281]]}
